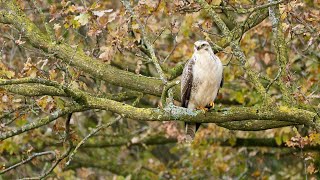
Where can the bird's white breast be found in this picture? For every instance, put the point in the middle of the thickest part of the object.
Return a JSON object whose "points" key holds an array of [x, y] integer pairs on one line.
{"points": [[207, 76]]}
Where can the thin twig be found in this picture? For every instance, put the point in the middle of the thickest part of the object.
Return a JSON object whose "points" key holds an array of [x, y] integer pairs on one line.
{"points": [[160, 33], [48, 28], [65, 154], [42, 121], [229, 61], [237, 9], [145, 40], [93, 132], [173, 49], [27, 160], [274, 80], [8, 114]]}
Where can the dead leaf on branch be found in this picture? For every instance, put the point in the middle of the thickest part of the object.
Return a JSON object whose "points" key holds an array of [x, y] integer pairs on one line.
{"points": [[107, 53], [83, 18]]}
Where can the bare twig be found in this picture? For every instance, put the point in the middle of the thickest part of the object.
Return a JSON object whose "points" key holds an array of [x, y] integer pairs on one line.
{"points": [[160, 33], [172, 50], [42, 121], [28, 160], [237, 9], [281, 51], [48, 28], [275, 79], [150, 49], [97, 129], [64, 155]]}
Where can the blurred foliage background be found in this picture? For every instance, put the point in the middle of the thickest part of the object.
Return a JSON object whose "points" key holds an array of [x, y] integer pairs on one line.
{"points": [[131, 149]]}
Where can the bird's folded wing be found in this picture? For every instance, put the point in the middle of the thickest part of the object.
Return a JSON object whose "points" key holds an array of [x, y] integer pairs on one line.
{"points": [[186, 82], [222, 80]]}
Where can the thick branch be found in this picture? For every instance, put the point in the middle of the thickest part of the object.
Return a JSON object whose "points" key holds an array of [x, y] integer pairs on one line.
{"points": [[31, 87], [250, 117], [293, 115], [33, 90]]}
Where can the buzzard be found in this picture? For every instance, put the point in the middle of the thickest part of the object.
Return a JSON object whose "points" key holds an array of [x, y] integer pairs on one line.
{"points": [[201, 80]]}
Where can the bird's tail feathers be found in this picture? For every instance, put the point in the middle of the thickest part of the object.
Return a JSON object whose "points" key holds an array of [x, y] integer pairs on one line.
{"points": [[190, 131]]}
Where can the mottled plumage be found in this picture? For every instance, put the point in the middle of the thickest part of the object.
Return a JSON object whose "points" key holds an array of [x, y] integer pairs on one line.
{"points": [[200, 82]]}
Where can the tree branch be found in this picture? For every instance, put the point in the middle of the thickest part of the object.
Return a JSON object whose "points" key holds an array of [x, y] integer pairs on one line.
{"points": [[146, 41], [96, 130], [65, 154], [30, 158], [40, 87], [238, 9], [250, 117], [102, 164], [161, 140], [281, 51], [41, 122]]}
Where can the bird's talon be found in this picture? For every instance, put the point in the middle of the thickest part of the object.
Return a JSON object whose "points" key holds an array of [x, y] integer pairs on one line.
{"points": [[203, 109], [211, 104]]}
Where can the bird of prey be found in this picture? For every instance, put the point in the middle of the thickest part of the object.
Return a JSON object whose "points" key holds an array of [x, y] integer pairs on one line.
{"points": [[201, 80]]}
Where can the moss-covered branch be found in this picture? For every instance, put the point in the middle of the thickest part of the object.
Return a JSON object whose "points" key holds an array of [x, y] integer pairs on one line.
{"points": [[33, 89], [241, 118]]}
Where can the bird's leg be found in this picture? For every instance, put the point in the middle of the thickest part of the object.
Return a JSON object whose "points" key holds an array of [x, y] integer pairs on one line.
{"points": [[210, 105]]}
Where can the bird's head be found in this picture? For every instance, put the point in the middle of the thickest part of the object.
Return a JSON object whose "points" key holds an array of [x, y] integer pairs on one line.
{"points": [[202, 45]]}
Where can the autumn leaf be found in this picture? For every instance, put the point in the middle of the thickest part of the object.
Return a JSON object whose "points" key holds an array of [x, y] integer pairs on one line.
{"points": [[107, 53], [83, 18], [102, 12]]}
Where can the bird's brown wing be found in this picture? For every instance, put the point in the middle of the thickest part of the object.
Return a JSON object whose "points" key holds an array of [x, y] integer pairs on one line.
{"points": [[222, 80], [186, 82]]}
